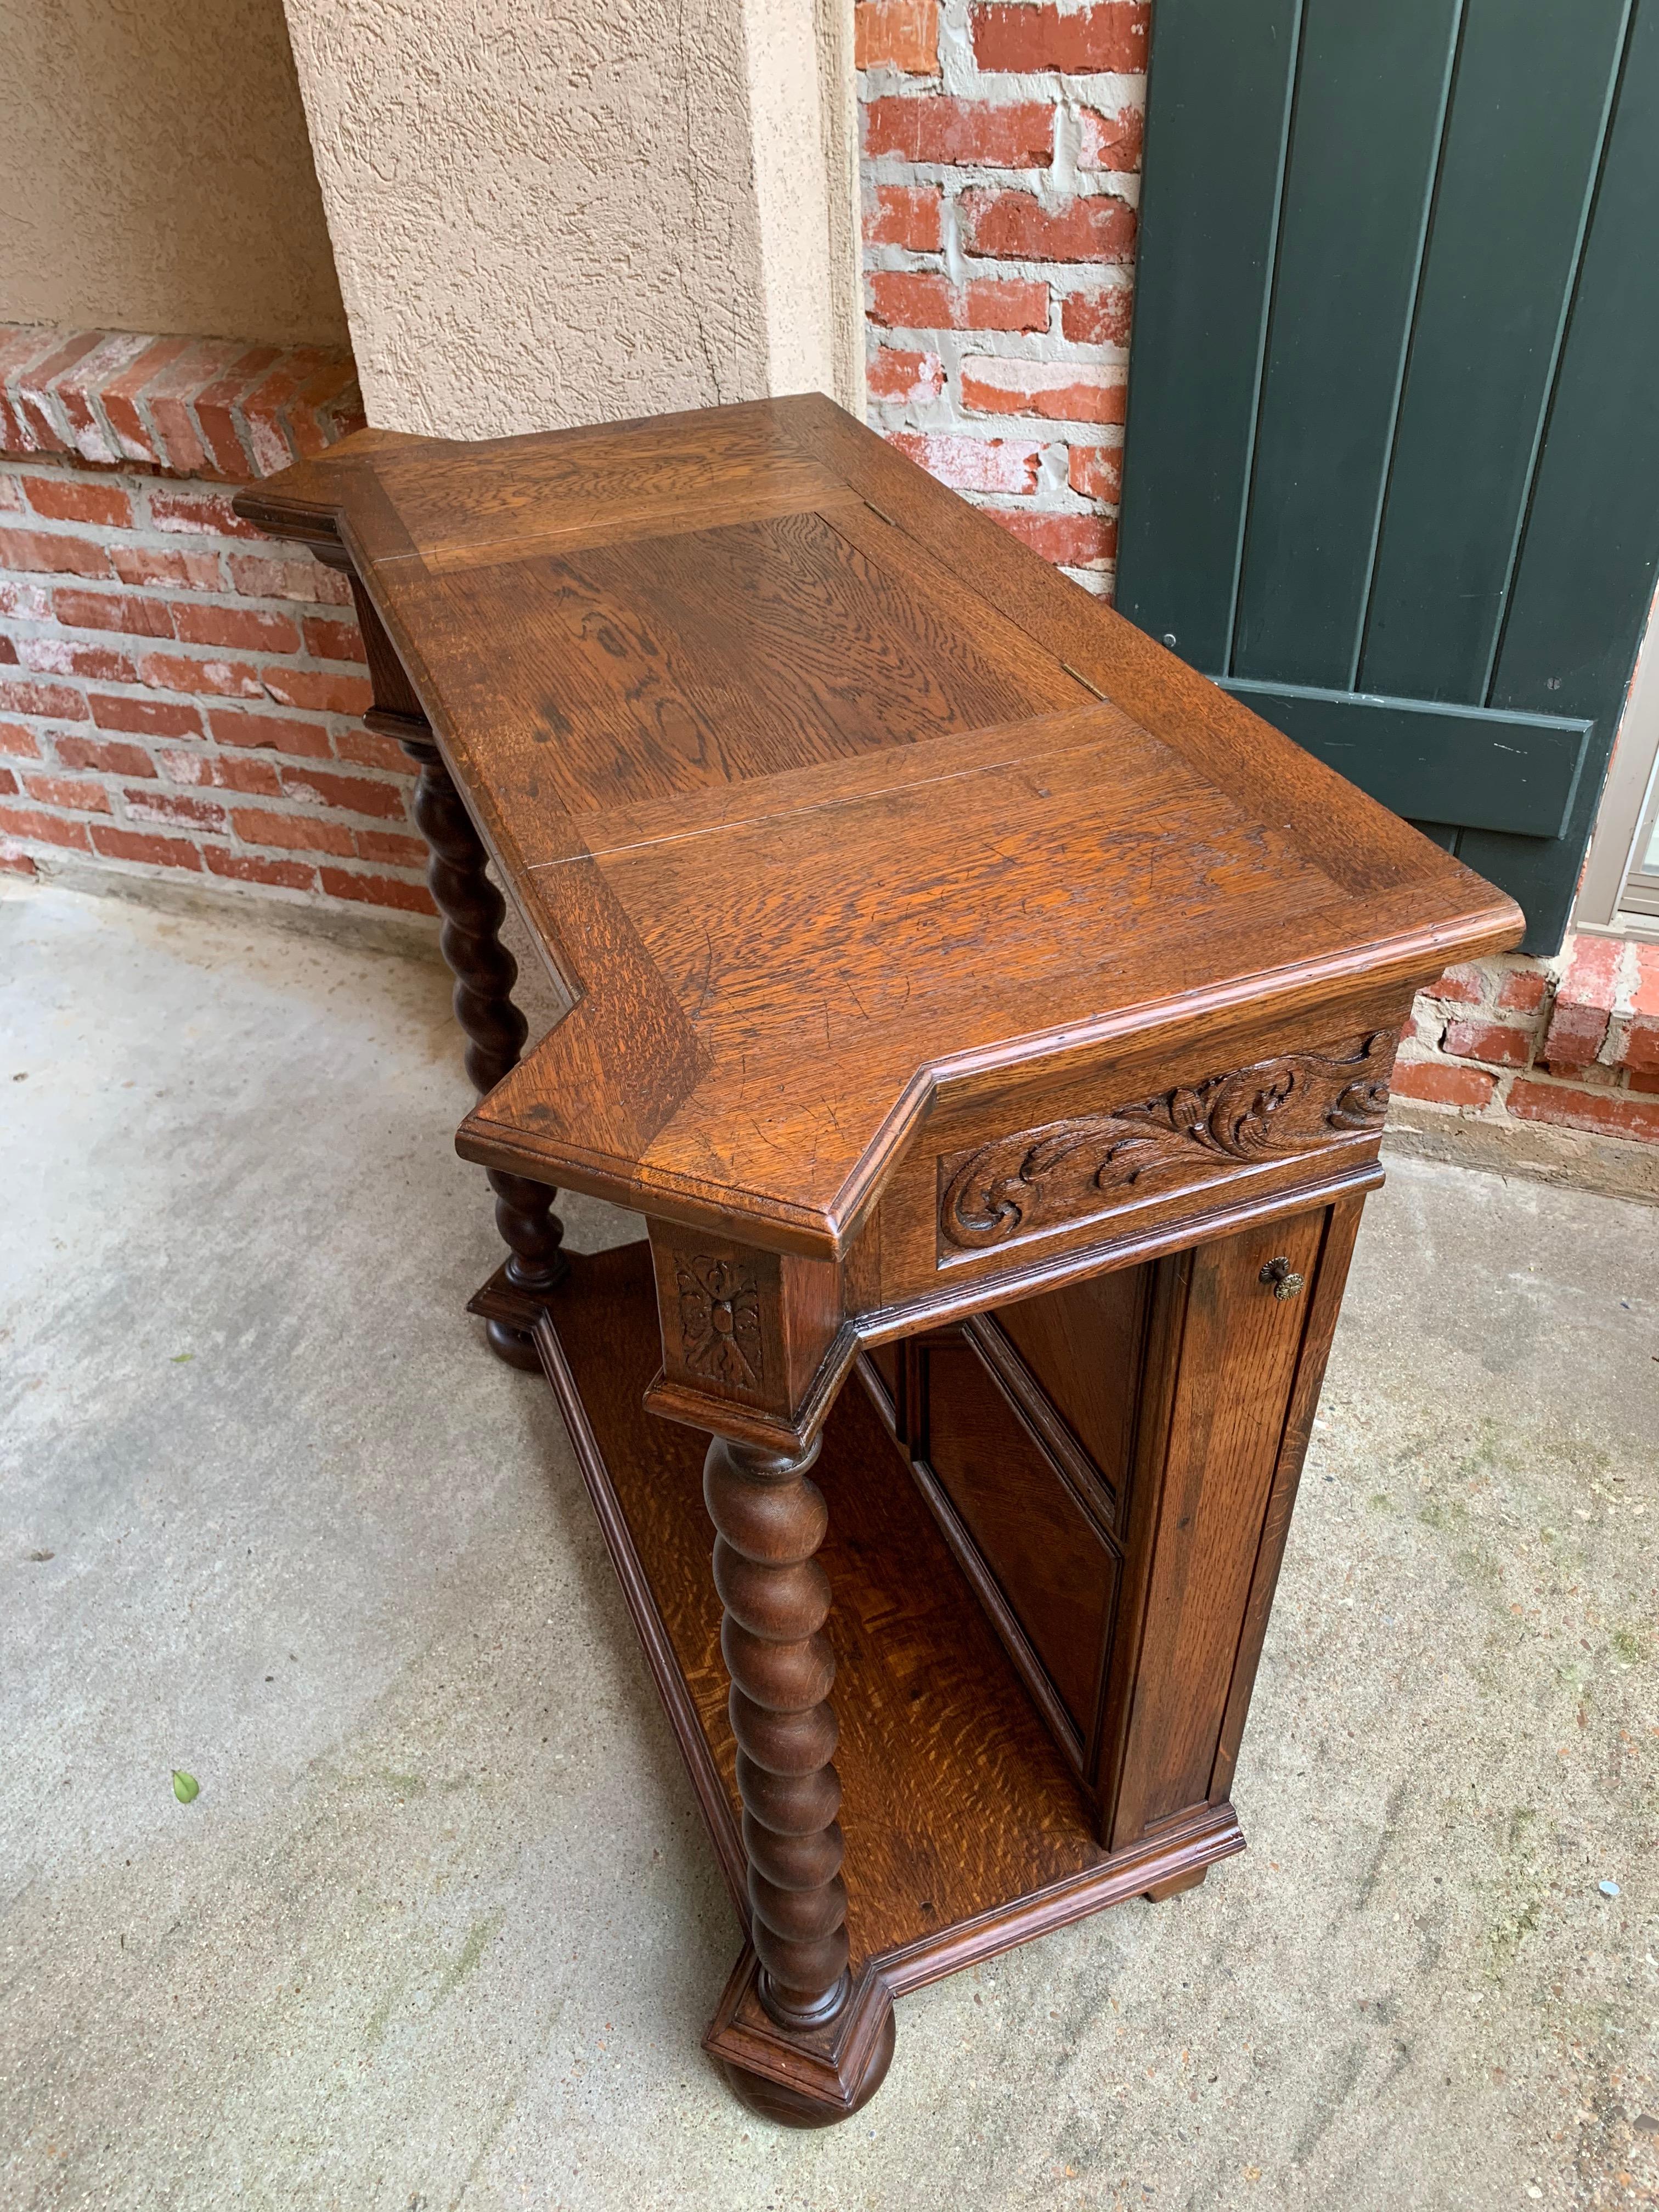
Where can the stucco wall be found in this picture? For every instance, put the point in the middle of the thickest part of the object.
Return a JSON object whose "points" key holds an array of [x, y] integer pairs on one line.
{"points": [[545, 213], [155, 175]]}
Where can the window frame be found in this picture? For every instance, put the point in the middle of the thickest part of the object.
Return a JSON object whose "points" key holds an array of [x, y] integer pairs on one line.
{"points": [[1617, 897]]}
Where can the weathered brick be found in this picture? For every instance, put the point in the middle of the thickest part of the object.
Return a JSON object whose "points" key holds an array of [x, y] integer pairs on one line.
{"points": [[80, 394], [1096, 227], [122, 397], [1097, 471], [1065, 391], [11, 495], [212, 771], [157, 805], [14, 862], [150, 718], [328, 406], [43, 828], [1522, 991], [1111, 36], [79, 794], [289, 577], [911, 216], [60, 701], [378, 890], [282, 733], [355, 795], [1583, 1002], [19, 741], [1015, 135], [62, 656], [31, 602], [218, 679], [891, 374], [207, 514], [1443, 1086], [1463, 987], [1069, 540], [170, 399], [255, 868], [1496, 1043], [267, 412], [8, 784], [129, 612], [1103, 317], [133, 845], [1110, 142], [71, 498], [1606, 1113], [108, 755], [244, 627], [896, 34], [368, 749], [1640, 1051], [52, 553], [317, 692], [329, 640], [390, 848], [36, 400], [910, 299], [142, 564], [217, 407], [1005, 465], [300, 833]]}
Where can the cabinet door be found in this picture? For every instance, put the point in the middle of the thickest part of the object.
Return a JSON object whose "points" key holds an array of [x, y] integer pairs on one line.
{"points": [[1231, 1378]]}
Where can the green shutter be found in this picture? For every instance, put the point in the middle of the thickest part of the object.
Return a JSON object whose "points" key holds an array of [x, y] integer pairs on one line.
{"points": [[1392, 461]]}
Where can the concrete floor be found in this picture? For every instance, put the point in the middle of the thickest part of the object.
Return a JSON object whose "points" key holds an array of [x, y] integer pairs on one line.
{"points": [[440, 1929]]}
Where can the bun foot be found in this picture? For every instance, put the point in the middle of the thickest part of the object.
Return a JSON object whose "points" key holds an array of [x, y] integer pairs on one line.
{"points": [[515, 1346], [791, 2108], [801, 2077]]}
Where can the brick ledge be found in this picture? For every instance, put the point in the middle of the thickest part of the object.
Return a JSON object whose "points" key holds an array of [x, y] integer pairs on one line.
{"points": [[187, 406]]}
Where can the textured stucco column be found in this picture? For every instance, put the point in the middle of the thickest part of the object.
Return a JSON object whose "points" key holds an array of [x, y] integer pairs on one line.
{"points": [[545, 213]]}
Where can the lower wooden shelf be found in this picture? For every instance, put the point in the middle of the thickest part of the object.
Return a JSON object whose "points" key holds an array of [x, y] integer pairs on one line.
{"points": [[966, 1832]]}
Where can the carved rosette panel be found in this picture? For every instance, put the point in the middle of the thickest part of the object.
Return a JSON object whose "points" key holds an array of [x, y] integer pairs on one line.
{"points": [[719, 1321], [1053, 1177]]}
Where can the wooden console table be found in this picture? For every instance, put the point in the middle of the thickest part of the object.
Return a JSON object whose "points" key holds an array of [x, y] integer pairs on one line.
{"points": [[971, 998]]}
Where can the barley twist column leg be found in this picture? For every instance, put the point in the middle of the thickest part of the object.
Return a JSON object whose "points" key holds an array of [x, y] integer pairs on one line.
{"points": [[771, 1521], [485, 972]]}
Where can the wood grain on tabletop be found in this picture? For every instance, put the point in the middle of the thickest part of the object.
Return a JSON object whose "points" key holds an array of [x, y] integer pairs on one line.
{"points": [[795, 762]]}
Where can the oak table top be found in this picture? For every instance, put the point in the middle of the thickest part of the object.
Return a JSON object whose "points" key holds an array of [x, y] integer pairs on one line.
{"points": [[824, 797]]}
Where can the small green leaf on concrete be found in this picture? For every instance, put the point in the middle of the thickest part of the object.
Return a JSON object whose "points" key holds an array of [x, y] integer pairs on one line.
{"points": [[184, 1786], [179, 1357]]}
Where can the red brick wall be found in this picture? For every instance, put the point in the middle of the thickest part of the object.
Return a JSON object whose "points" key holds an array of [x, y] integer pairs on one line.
{"points": [[1000, 167], [179, 693], [1573, 1042]]}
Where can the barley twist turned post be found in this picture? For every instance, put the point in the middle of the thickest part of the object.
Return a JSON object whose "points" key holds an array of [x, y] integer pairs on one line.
{"points": [[485, 972], [771, 1521]]}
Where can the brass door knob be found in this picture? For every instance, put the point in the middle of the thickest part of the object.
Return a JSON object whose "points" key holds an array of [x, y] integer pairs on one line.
{"points": [[1283, 1277]]}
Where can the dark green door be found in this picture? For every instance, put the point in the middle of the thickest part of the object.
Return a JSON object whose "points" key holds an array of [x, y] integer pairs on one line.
{"points": [[1392, 464]]}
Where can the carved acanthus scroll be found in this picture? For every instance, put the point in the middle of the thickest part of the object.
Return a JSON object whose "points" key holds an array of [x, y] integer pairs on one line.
{"points": [[1049, 1177]]}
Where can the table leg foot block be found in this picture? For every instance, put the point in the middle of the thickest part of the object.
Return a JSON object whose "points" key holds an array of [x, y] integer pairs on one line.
{"points": [[514, 1346], [801, 2078], [1175, 1886]]}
